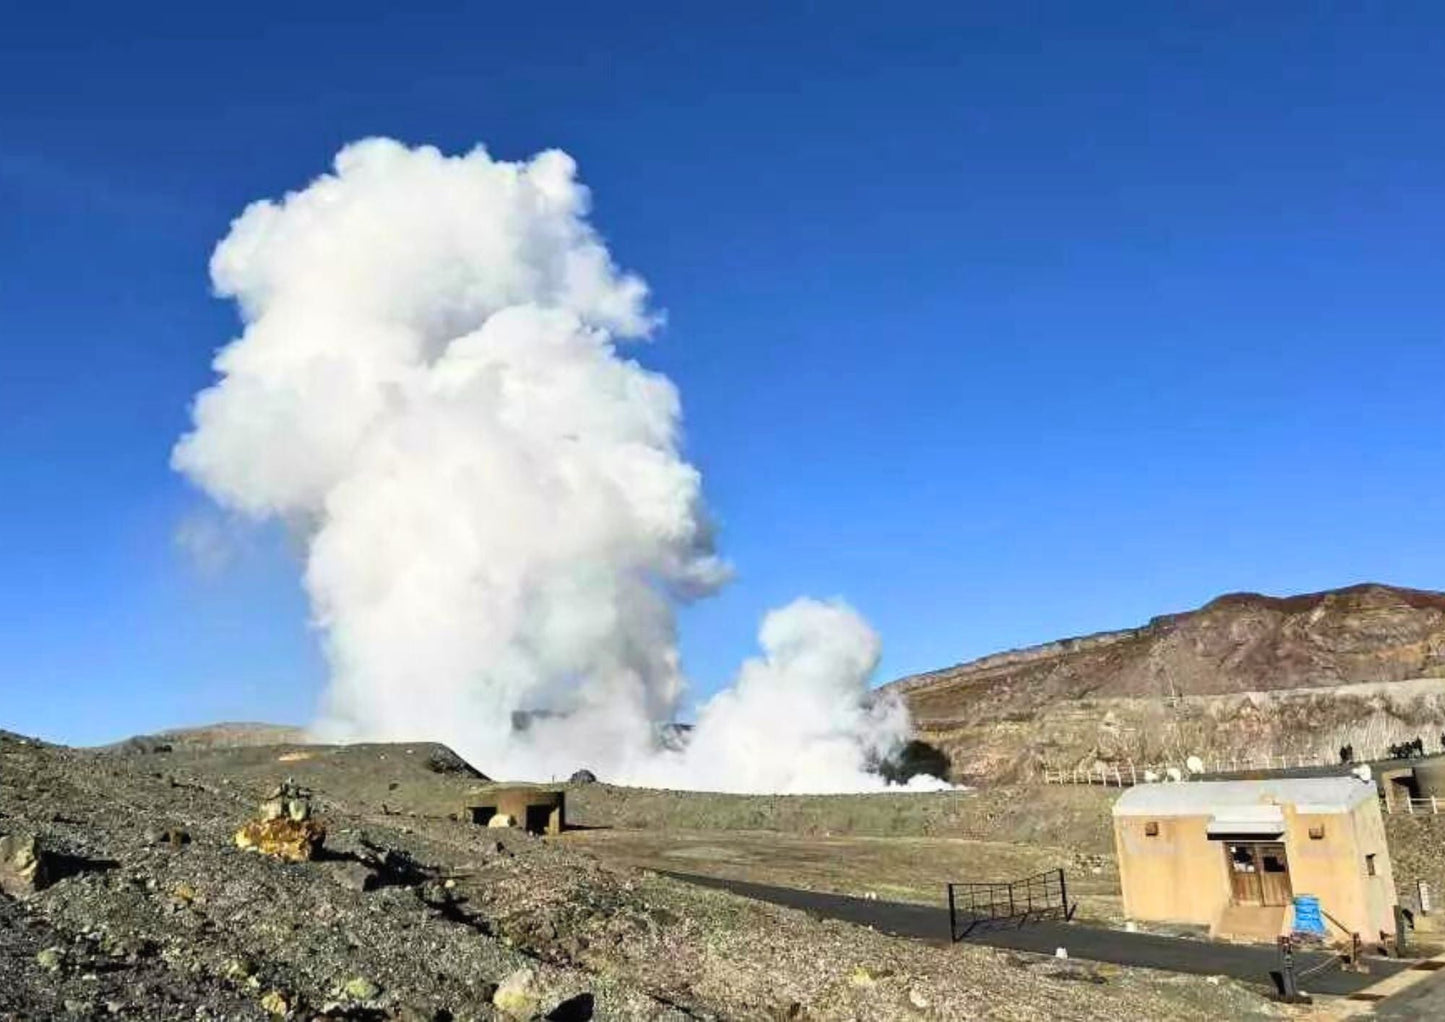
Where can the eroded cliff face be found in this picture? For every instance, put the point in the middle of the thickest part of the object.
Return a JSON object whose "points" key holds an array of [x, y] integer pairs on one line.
{"points": [[1245, 673]]}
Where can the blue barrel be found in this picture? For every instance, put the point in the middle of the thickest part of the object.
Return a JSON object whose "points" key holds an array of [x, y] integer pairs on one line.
{"points": [[1307, 918]]}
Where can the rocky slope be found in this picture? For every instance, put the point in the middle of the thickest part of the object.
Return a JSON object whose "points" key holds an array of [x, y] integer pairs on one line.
{"points": [[1243, 673], [146, 909], [225, 735]]}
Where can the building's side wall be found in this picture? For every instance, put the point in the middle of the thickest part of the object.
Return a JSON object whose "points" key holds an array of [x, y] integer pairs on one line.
{"points": [[1332, 868], [1179, 875], [1335, 869], [1380, 891]]}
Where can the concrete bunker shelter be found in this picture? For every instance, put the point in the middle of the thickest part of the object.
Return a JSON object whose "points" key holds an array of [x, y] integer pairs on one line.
{"points": [[1232, 855], [536, 810]]}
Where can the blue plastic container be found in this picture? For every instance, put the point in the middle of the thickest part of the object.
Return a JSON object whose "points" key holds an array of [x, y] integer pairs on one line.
{"points": [[1307, 917]]}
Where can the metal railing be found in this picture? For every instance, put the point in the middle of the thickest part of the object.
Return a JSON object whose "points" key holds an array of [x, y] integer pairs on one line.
{"points": [[974, 904], [1398, 804], [1128, 773]]}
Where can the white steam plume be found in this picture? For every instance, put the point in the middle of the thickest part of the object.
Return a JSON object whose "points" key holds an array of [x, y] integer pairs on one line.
{"points": [[496, 512]]}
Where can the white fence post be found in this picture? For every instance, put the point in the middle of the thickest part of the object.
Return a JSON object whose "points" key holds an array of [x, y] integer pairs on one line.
{"points": [[1434, 806]]}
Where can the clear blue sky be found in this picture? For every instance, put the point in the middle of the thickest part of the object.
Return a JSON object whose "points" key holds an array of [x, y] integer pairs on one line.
{"points": [[1005, 321]]}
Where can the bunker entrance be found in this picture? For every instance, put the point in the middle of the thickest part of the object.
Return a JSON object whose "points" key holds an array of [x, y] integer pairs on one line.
{"points": [[538, 819], [537, 810]]}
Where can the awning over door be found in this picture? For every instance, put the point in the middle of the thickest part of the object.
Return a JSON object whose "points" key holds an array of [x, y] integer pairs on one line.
{"points": [[1260, 822]]}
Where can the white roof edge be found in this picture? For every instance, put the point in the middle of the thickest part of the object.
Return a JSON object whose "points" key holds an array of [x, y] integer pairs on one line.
{"points": [[1307, 795]]}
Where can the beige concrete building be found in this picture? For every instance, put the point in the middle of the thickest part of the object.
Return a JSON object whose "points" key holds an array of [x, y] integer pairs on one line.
{"points": [[1231, 855]]}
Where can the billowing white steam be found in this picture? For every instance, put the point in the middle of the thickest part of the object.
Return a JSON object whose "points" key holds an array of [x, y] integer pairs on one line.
{"points": [[496, 512]]}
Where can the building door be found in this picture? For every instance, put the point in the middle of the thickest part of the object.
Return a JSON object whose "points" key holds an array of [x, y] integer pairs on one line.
{"points": [[1244, 875], [1274, 874], [1258, 873]]}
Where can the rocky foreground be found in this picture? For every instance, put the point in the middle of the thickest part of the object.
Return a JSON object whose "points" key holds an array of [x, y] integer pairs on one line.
{"points": [[129, 898]]}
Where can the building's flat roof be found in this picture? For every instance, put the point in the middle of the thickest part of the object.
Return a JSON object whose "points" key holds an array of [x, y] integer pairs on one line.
{"points": [[1201, 798]]}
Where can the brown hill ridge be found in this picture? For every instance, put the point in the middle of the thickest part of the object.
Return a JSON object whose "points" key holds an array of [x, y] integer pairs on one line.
{"points": [[1240, 642], [1236, 644]]}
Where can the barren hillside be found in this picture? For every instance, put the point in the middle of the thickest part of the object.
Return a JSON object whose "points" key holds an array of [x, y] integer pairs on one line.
{"points": [[1243, 673]]}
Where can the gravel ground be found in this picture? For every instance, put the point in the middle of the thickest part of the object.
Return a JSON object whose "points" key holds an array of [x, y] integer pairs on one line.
{"points": [[411, 915], [1062, 816]]}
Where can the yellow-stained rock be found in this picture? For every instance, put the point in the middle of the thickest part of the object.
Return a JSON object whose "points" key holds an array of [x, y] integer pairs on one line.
{"points": [[274, 1001], [517, 995], [285, 839]]}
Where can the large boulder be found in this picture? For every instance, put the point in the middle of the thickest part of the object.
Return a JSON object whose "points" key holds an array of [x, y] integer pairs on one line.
{"points": [[25, 866], [282, 838], [518, 995], [286, 829]]}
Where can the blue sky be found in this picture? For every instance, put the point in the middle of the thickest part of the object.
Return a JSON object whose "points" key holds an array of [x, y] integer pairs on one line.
{"points": [[1005, 321]]}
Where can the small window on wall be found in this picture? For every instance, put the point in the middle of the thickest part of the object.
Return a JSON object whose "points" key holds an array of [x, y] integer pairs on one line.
{"points": [[1317, 832], [1370, 865], [1151, 829]]}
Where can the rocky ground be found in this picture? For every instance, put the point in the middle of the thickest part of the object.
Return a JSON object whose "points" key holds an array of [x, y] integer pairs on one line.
{"points": [[1067, 816], [150, 911]]}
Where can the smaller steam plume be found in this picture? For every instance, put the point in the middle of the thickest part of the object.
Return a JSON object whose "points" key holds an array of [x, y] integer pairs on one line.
{"points": [[498, 521]]}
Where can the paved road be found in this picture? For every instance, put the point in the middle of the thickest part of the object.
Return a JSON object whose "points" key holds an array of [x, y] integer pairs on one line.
{"points": [[1175, 954]]}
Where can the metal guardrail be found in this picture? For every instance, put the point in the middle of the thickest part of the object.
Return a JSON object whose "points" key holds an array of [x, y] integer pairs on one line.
{"points": [[1428, 806], [973, 904], [1126, 773]]}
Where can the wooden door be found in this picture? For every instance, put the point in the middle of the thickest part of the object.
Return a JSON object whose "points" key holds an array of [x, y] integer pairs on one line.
{"points": [[1275, 886], [1258, 873], [1244, 879]]}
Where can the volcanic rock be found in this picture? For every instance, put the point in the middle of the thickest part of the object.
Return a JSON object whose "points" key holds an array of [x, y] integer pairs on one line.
{"points": [[24, 866], [517, 995], [282, 839], [285, 830]]}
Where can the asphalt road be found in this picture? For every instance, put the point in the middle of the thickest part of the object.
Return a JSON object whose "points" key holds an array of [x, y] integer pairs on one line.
{"points": [[1251, 964]]}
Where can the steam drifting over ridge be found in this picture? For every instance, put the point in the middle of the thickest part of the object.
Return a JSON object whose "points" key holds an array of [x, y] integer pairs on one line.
{"points": [[496, 512]]}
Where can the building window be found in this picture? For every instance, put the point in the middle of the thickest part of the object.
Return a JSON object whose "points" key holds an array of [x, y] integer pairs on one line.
{"points": [[1151, 829], [1317, 832], [1370, 865]]}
